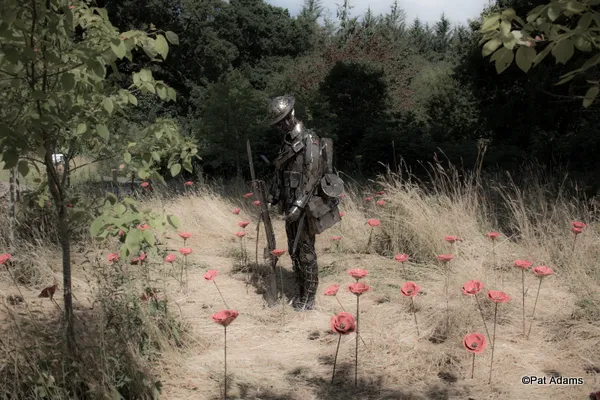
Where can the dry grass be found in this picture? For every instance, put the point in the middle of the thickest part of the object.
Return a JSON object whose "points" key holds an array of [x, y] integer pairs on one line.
{"points": [[275, 356]]}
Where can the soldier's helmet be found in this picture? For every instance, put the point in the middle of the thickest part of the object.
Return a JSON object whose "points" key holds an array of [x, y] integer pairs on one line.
{"points": [[279, 108]]}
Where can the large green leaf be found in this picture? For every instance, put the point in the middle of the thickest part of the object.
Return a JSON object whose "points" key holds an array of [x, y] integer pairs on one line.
{"points": [[172, 37], [525, 57], [102, 131], [133, 240], [590, 96], [161, 46], [175, 169]]}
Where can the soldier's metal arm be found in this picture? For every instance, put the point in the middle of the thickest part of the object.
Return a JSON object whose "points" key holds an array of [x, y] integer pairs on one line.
{"points": [[275, 190], [312, 171]]}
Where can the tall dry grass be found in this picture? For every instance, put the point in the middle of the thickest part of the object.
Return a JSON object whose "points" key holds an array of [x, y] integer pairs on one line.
{"points": [[532, 212]]}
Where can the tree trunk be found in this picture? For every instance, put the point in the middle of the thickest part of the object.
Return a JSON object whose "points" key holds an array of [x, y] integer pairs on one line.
{"points": [[11, 212], [58, 194]]}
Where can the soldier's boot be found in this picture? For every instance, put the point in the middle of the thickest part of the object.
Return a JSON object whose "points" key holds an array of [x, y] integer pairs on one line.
{"points": [[299, 285], [311, 281]]}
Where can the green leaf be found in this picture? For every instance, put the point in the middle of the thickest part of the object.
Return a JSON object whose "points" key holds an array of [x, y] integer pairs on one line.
{"points": [[505, 28], [585, 21], [102, 131], [161, 46], [175, 169], [112, 199], [23, 168], [504, 61], [491, 23], [67, 81], [590, 96], [81, 128], [524, 57], [127, 157], [96, 226], [172, 37], [582, 44], [156, 156], [149, 237], [563, 51], [575, 6], [564, 80], [145, 75], [107, 103], [554, 10], [120, 209], [172, 94], [490, 47], [187, 165], [120, 50], [174, 221], [132, 99], [133, 240], [10, 158]]}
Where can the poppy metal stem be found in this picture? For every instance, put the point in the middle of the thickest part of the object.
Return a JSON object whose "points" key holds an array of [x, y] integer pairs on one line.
{"points": [[482, 318], [412, 301], [473, 367], [335, 358], [370, 237], [225, 380], [523, 285], [493, 342], [338, 300], [356, 349], [534, 305], [215, 282]]}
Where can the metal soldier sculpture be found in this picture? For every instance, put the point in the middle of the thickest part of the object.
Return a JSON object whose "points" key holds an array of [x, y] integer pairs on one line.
{"points": [[306, 192]]}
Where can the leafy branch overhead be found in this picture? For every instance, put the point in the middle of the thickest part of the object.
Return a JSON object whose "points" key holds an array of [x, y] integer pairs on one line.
{"points": [[559, 28]]}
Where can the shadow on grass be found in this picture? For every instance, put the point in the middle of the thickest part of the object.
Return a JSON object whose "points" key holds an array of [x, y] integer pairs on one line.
{"points": [[259, 277], [342, 389]]}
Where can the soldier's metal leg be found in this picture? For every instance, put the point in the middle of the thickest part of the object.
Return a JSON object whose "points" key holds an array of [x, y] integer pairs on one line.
{"points": [[291, 230], [310, 270]]}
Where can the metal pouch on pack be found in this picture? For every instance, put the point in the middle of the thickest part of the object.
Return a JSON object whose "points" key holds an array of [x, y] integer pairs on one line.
{"points": [[323, 209]]}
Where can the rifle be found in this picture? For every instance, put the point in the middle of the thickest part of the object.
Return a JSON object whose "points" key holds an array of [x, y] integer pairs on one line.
{"points": [[259, 190]]}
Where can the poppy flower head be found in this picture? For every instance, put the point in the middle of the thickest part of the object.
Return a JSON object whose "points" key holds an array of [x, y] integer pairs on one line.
{"points": [[69, 205], [341, 196], [543, 271], [492, 235], [444, 257], [170, 258], [71, 7], [120, 233], [380, 203], [240, 234], [452, 239], [380, 193], [248, 195], [523, 264], [143, 227], [278, 252], [342, 213], [185, 235], [472, 287], [113, 257], [256, 203], [332, 290], [144, 184], [236, 211], [578, 224], [498, 297], [370, 198], [576, 231], [211, 274], [336, 238], [358, 288], [343, 323], [185, 251], [188, 183], [474, 343], [409, 289], [373, 222], [401, 258], [225, 317], [358, 273], [243, 224]]}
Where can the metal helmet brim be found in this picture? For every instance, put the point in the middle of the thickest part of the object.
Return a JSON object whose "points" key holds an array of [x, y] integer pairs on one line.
{"points": [[279, 108]]}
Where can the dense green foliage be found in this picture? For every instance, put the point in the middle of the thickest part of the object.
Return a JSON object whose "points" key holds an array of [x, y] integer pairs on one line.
{"points": [[378, 85]]}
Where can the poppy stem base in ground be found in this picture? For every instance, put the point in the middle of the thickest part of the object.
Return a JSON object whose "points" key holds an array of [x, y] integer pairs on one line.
{"points": [[335, 358], [356, 348]]}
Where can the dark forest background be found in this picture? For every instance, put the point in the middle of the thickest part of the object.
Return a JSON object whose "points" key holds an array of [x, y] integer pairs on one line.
{"points": [[387, 90]]}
